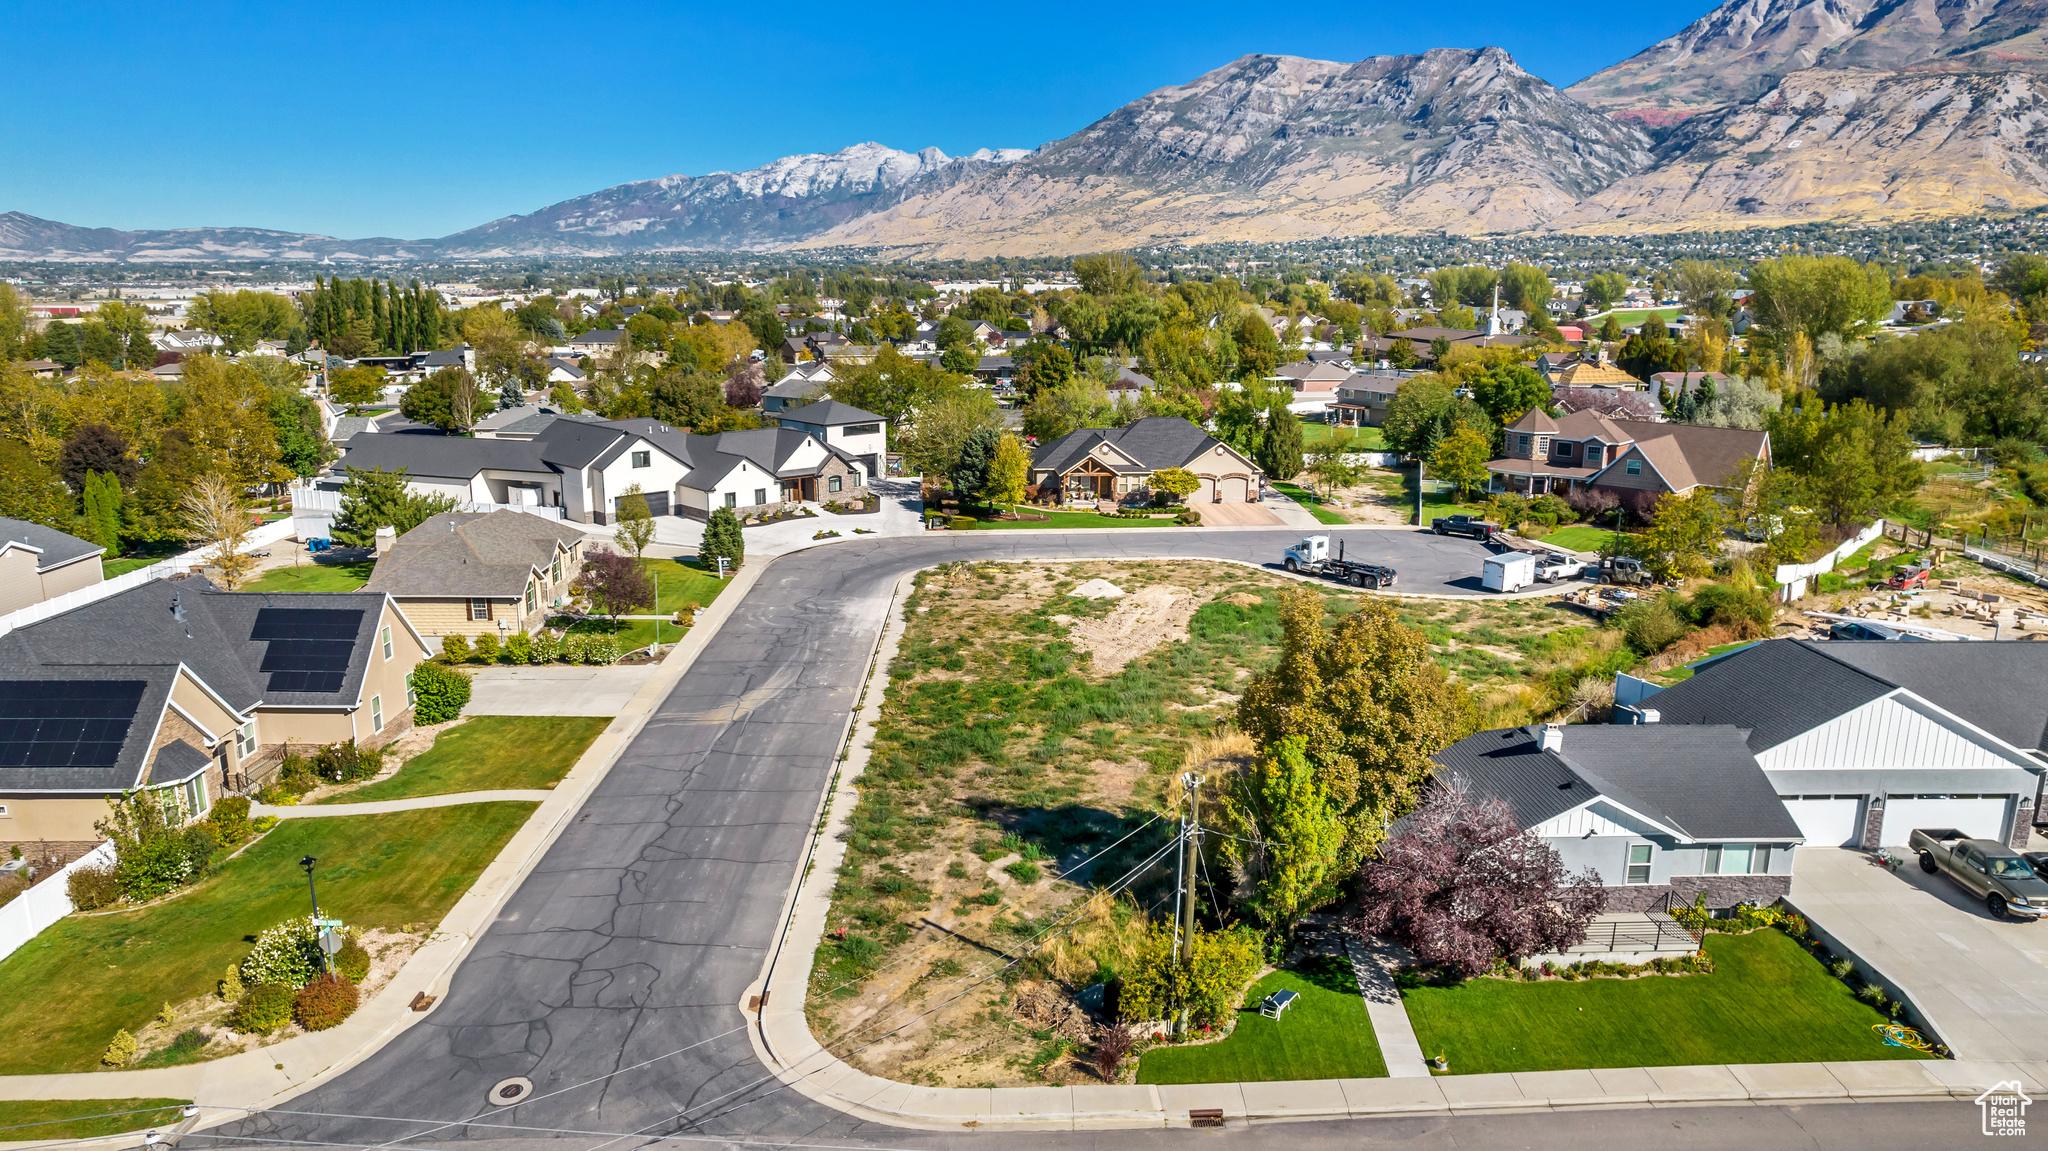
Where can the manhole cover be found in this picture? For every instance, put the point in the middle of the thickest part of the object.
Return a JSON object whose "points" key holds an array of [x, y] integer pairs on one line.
{"points": [[510, 1091]]}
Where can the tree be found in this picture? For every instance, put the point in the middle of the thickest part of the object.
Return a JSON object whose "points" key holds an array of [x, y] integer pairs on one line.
{"points": [[1528, 288], [356, 386], [1295, 834], [977, 454], [1007, 470], [217, 518], [373, 498], [1280, 449], [29, 490], [1604, 289], [1369, 702], [1330, 462], [1179, 483], [102, 509], [95, 447], [1050, 368], [616, 583], [743, 388], [1422, 412], [448, 400], [1258, 349], [1799, 299], [1108, 274], [1684, 533], [943, 427], [226, 415], [722, 538], [1461, 458], [1463, 885], [636, 522], [1079, 403], [1703, 289], [1507, 391]]}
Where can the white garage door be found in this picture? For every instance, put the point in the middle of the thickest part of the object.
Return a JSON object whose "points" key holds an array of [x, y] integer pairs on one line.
{"points": [[1827, 820], [1977, 816]]}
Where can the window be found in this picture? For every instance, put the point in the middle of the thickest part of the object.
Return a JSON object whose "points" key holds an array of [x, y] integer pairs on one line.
{"points": [[861, 430], [556, 575], [530, 604], [384, 637], [1592, 454], [642, 459], [376, 713], [4, 812], [732, 499], [1522, 444], [1738, 859], [1634, 468], [832, 483], [245, 740], [1639, 862], [1563, 448], [479, 609], [760, 496], [412, 694]]}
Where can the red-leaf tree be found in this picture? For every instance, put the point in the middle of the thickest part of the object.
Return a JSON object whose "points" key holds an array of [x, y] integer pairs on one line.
{"points": [[1462, 884], [616, 583]]}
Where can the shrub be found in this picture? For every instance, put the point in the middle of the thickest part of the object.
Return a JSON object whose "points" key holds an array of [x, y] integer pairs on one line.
{"points": [[230, 819], [1023, 872], [353, 961], [572, 648], [347, 762], [1552, 510], [262, 1009], [486, 649], [455, 648], [440, 692], [601, 649], [1743, 609], [231, 984], [324, 1002], [1188, 517], [1649, 626], [546, 647], [285, 955], [518, 648], [961, 523], [92, 888], [120, 1050], [153, 868], [1112, 1047]]}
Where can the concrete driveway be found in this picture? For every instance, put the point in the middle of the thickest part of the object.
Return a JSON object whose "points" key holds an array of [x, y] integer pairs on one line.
{"points": [[550, 689], [1982, 983]]}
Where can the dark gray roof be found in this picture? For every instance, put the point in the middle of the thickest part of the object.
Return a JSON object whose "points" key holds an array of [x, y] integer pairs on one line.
{"points": [[600, 336], [794, 389], [1700, 781], [829, 414], [177, 761], [468, 554], [1778, 690], [567, 442], [57, 547], [2000, 687], [1155, 441], [87, 769], [451, 358]]}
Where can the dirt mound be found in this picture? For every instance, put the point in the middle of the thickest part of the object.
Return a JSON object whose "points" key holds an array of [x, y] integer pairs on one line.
{"points": [[1145, 619], [1097, 589], [1242, 599]]}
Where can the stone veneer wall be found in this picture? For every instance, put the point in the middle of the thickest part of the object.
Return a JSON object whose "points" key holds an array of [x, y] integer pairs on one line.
{"points": [[1722, 891]]}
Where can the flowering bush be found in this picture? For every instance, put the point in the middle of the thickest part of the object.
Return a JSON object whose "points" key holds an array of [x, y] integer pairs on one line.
{"points": [[546, 646], [287, 954], [324, 1002], [346, 762], [601, 649], [572, 648]]}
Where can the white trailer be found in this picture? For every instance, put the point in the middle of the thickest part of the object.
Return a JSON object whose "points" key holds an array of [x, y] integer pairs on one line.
{"points": [[1509, 571]]}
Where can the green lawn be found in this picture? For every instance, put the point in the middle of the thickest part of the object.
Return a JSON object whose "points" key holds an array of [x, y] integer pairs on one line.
{"points": [[1580, 538], [1324, 1035], [26, 1119], [1308, 500], [313, 577], [489, 753], [1315, 433], [633, 634], [1767, 1001], [1635, 316], [111, 566], [64, 994], [681, 582], [1064, 521]]}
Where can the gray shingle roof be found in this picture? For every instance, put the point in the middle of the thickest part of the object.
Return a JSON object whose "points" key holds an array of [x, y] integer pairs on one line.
{"points": [[92, 774], [57, 548], [2000, 687], [829, 414], [176, 761], [1155, 441], [1700, 781], [469, 554], [1778, 690]]}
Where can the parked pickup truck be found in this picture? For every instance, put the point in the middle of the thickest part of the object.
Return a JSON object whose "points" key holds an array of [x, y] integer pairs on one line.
{"points": [[1986, 869], [1312, 557], [1550, 569], [1472, 526]]}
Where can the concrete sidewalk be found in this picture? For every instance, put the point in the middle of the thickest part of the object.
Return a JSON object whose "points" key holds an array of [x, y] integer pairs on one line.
{"points": [[386, 806], [1979, 983]]}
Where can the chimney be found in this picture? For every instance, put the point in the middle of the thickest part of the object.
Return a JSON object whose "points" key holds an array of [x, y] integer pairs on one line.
{"points": [[1551, 737], [386, 537]]}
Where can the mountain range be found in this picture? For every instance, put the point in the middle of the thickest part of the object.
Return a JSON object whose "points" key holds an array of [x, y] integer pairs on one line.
{"points": [[1760, 113]]}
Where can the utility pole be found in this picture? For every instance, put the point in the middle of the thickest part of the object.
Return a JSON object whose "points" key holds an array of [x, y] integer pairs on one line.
{"points": [[1191, 837]]}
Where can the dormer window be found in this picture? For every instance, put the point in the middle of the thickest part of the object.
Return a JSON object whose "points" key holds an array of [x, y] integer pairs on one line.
{"points": [[1563, 448]]}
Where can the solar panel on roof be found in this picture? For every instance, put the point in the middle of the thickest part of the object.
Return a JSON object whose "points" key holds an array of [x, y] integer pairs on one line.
{"points": [[274, 623], [309, 648], [66, 723]]}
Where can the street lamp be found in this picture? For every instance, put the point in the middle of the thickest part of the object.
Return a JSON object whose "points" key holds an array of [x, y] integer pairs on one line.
{"points": [[319, 925]]}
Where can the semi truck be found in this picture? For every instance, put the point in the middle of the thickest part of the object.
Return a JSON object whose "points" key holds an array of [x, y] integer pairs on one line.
{"points": [[1312, 557]]}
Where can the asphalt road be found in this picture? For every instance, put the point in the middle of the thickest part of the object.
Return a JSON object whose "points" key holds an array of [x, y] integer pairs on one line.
{"points": [[612, 977]]}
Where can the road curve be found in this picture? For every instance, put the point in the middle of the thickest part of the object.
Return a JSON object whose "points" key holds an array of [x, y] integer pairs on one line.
{"points": [[612, 976]]}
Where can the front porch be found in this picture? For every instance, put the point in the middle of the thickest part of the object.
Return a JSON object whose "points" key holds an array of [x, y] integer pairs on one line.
{"points": [[1092, 481]]}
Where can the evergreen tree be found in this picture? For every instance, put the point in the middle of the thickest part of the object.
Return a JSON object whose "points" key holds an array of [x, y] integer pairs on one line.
{"points": [[977, 452], [1280, 449], [373, 498], [722, 538], [102, 521]]}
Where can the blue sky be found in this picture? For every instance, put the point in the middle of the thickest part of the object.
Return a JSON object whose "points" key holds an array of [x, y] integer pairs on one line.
{"points": [[421, 119]]}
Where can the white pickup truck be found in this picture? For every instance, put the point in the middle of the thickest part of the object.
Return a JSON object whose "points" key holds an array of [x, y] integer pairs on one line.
{"points": [[1550, 569]]}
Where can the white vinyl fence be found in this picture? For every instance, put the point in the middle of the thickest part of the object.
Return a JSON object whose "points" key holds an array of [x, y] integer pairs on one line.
{"points": [[45, 903], [262, 536], [1792, 577]]}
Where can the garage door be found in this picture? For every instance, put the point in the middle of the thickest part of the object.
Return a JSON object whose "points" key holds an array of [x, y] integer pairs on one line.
{"points": [[1827, 820], [1206, 494], [1236, 489], [1977, 816]]}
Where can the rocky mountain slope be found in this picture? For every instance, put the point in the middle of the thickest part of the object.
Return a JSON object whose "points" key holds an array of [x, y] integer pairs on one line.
{"points": [[1273, 147], [25, 237], [789, 199], [1739, 51]]}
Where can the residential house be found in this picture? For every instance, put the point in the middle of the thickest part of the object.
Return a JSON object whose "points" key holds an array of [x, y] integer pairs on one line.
{"points": [[805, 382], [597, 342], [562, 370], [1635, 460], [996, 369], [849, 353], [843, 428], [43, 369], [1364, 396], [187, 341], [39, 563], [1601, 374], [1308, 377], [759, 470], [1131, 384], [1661, 814], [1867, 741], [190, 691], [464, 573], [1117, 463], [516, 423]]}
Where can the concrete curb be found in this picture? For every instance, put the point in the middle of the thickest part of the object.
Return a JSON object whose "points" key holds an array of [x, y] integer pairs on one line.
{"points": [[782, 1038], [411, 803], [274, 1074]]}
